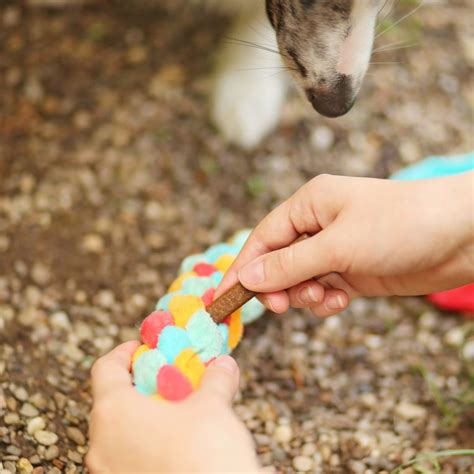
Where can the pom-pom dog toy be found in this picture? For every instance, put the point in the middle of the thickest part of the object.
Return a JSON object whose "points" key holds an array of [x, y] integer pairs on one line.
{"points": [[188, 330]]}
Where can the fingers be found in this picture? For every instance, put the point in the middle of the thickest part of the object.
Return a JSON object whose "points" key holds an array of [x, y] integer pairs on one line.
{"points": [[112, 371], [277, 302], [308, 293], [289, 266], [221, 379], [277, 230], [334, 302]]}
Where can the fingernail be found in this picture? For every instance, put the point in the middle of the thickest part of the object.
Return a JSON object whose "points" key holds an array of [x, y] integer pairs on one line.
{"points": [[336, 302], [266, 302], [307, 295], [226, 363], [252, 274]]}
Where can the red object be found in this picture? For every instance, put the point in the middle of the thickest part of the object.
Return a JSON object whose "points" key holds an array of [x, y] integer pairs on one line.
{"points": [[208, 297], [172, 385], [152, 326], [460, 299], [204, 269]]}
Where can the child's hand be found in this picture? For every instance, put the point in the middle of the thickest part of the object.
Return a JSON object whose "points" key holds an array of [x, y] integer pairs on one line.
{"points": [[372, 237], [133, 433]]}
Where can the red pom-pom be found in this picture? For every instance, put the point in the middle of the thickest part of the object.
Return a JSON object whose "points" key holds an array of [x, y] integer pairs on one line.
{"points": [[152, 326], [208, 297], [204, 269], [172, 385]]}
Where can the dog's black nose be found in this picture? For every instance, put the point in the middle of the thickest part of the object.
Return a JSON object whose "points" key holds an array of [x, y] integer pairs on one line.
{"points": [[334, 99]]}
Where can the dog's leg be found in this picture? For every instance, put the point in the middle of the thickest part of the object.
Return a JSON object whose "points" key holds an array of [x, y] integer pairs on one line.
{"points": [[250, 83]]}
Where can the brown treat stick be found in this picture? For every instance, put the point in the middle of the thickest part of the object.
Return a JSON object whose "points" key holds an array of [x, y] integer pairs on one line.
{"points": [[235, 297]]}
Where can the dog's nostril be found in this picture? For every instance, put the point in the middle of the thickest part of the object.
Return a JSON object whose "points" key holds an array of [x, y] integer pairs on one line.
{"points": [[332, 100]]}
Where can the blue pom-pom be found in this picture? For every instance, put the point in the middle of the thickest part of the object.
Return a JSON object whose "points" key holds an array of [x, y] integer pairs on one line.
{"points": [[145, 369], [172, 341], [224, 330], [205, 336]]}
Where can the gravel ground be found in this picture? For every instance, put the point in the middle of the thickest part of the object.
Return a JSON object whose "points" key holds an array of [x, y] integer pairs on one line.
{"points": [[110, 174]]}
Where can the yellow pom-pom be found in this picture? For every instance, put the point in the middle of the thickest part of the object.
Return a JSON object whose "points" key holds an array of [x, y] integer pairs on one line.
{"points": [[157, 396], [178, 283], [182, 307], [236, 328], [140, 350], [189, 363], [224, 262]]}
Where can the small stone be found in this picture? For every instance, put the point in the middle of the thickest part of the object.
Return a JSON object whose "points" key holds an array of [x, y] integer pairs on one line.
{"points": [[308, 449], [46, 438], [410, 411], [38, 470], [29, 410], [468, 350], [283, 434], [302, 463], [105, 298], [24, 466], [454, 337], [40, 274], [20, 394], [11, 419], [35, 459], [51, 453], [39, 401], [75, 435], [60, 320], [322, 138], [14, 450], [93, 243], [299, 338], [74, 456], [35, 424]]}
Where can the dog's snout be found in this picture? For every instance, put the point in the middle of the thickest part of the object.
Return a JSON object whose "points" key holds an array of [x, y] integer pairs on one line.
{"points": [[332, 99]]}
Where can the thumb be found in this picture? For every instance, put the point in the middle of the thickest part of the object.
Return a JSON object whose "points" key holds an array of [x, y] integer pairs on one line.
{"points": [[286, 267], [221, 379]]}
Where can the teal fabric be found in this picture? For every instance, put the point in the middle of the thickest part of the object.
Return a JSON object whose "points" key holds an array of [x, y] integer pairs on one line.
{"points": [[437, 167]]}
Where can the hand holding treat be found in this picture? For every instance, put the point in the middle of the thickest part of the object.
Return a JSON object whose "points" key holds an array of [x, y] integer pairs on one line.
{"points": [[370, 237], [130, 432]]}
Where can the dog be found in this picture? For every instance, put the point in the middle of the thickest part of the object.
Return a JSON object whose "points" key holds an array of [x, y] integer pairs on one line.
{"points": [[324, 45]]}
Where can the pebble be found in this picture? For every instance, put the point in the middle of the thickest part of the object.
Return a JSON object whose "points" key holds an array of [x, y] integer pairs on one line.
{"points": [[283, 434], [454, 337], [468, 350], [11, 419], [60, 320], [29, 410], [46, 438], [302, 463], [40, 274], [410, 411], [20, 394], [93, 243], [74, 456], [322, 138], [75, 435], [51, 453], [24, 466], [35, 424]]}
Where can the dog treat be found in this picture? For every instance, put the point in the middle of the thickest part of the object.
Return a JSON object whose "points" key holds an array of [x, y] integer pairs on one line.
{"points": [[235, 297], [180, 338]]}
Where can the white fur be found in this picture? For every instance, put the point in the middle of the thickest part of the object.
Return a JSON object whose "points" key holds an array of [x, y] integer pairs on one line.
{"points": [[357, 47], [249, 86]]}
